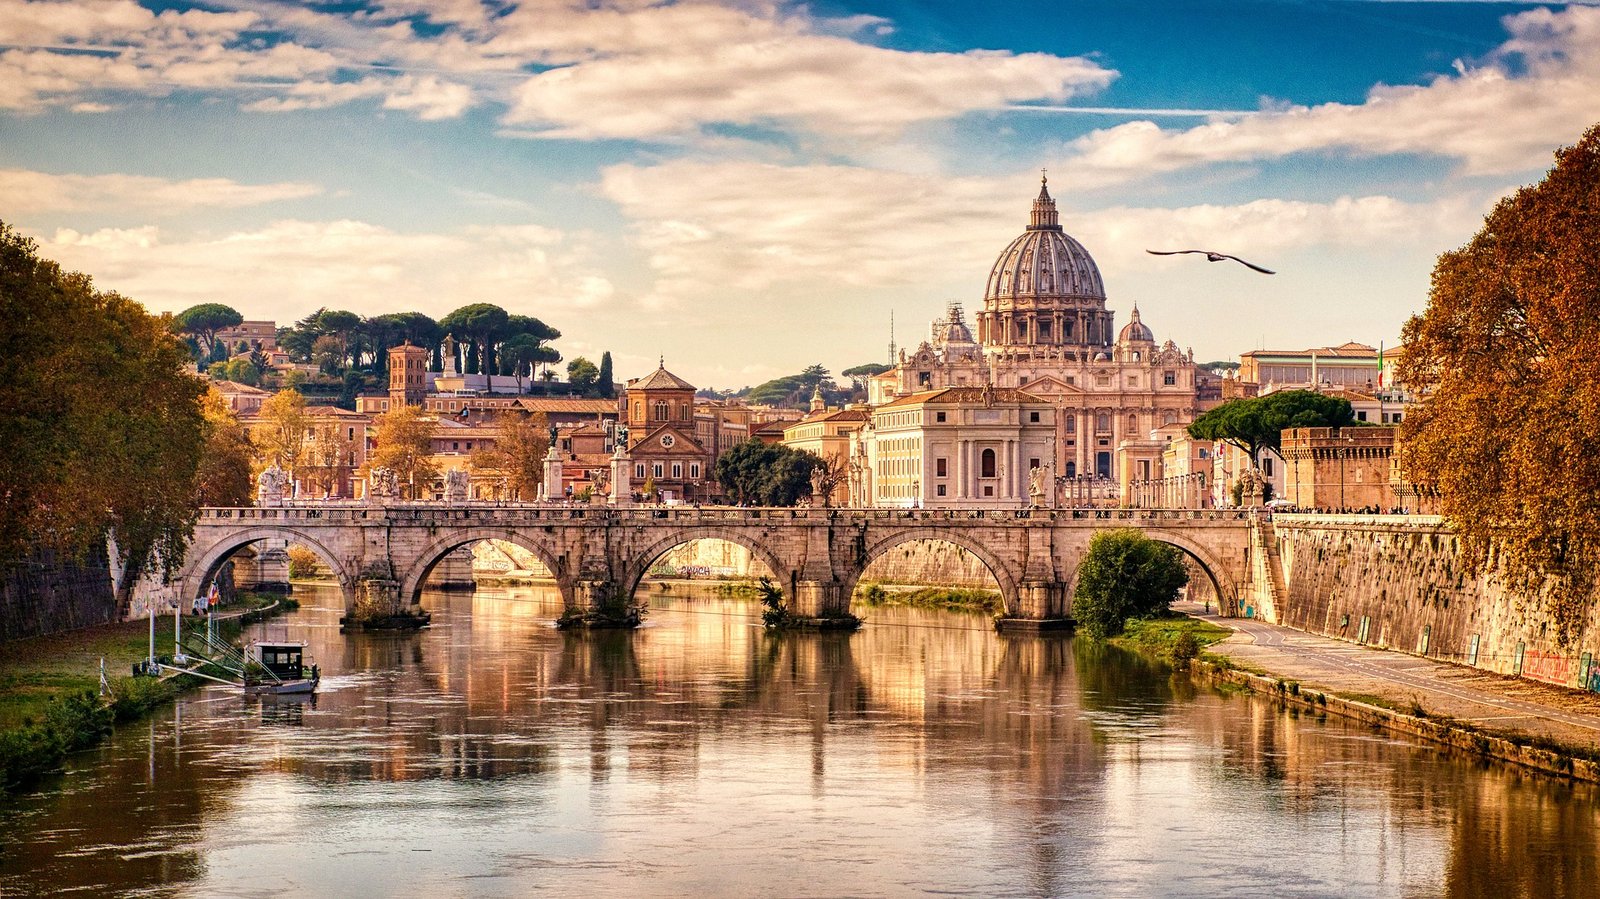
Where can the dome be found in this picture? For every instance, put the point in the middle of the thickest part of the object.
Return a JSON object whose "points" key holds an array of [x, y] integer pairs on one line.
{"points": [[1044, 262], [952, 329], [1135, 331]]}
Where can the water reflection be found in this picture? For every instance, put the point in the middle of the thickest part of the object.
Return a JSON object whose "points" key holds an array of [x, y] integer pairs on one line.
{"points": [[494, 755]]}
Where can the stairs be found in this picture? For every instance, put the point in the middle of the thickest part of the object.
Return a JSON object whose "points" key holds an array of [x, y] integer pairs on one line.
{"points": [[1267, 571]]}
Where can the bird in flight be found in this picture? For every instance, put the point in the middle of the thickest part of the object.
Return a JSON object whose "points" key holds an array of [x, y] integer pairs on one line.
{"points": [[1212, 256]]}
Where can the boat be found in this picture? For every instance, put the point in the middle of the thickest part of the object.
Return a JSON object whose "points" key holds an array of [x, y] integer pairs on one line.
{"points": [[278, 669]]}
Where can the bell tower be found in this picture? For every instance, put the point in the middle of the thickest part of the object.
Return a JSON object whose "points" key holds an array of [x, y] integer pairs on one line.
{"points": [[408, 375]]}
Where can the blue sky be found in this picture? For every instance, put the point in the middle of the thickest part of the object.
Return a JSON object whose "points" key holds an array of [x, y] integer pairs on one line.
{"points": [[752, 187]]}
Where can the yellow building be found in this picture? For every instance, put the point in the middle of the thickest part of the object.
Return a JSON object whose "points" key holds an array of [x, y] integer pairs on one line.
{"points": [[826, 434]]}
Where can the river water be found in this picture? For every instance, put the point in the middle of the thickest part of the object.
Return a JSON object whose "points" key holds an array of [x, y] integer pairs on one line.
{"points": [[492, 755]]}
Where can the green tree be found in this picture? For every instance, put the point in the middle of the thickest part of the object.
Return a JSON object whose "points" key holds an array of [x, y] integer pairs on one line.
{"points": [[482, 326], [608, 378], [1504, 354], [791, 390], [756, 473], [202, 322], [1125, 575], [859, 374], [1255, 424], [582, 375]]}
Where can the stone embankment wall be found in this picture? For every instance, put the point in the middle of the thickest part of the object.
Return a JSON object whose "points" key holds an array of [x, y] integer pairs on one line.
{"points": [[45, 594], [1398, 582]]}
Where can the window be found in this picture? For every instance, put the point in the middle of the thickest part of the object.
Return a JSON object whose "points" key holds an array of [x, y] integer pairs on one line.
{"points": [[1033, 463], [351, 435], [455, 445], [1072, 469], [938, 416], [939, 468], [677, 471], [1266, 467], [694, 469], [1072, 424], [1361, 416], [656, 469], [638, 470], [988, 490], [661, 410], [1102, 423], [986, 466], [1033, 417], [1169, 378], [941, 490], [1133, 423]]}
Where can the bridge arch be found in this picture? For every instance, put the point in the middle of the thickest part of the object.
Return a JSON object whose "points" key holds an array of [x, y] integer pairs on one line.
{"points": [[204, 568], [876, 548], [415, 574], [784, 574], [1221, 583]]}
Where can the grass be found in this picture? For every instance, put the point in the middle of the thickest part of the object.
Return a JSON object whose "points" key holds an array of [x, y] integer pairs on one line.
{"points": [[49, 689], [1176, 639], [957, 599]]}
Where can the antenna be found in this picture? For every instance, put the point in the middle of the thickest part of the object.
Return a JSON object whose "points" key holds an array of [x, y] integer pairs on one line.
{"points": [[891, 337]]}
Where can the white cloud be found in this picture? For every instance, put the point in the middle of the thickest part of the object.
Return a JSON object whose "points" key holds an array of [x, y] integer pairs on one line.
{"points": [[736, 229], [29, 193], [1539, 89], [292, 267]]}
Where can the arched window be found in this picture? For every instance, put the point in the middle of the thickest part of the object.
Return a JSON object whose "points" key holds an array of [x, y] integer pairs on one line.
{"points": [[661, 410], [1072, 424], [1072, 469], [1102, 423], [1169, 417], [987, 464], [1133, 423]]}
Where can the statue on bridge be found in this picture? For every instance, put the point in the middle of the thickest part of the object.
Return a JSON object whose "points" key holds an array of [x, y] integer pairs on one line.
{"points": [[270, 486], [455, 485], [1036, 486], [383, 485]]}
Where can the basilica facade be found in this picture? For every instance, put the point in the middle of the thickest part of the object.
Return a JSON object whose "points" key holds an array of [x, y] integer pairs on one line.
{"points": [[1044, 331]]}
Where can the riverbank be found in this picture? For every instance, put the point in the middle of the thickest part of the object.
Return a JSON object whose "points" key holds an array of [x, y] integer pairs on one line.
{"points": [[50, 703], [952, 599], [1539, 726]]}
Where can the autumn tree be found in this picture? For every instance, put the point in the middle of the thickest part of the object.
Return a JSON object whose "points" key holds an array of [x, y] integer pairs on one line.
{"points": [[1508, 430], [101, 427], [223, 478], [405, 446], [1125, 575], [518, 454], [281, 436], [828, 472]]}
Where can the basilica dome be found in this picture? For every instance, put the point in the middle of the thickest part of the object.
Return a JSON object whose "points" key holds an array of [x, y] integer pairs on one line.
{"points": [[1043, 262], [1136, 330]]}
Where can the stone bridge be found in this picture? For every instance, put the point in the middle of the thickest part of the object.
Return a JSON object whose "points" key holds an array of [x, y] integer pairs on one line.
{"points": [[385, 553]]}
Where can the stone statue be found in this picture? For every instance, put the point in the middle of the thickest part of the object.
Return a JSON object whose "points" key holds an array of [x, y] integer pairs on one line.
{"points": [[382, 484], [1036, 484], [455, 485], [449, 355], [270, 485], [552, 436], [817, 485], [622, 439]]}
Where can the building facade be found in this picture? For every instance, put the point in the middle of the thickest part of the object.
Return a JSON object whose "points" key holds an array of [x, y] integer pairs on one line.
{"points": [[1044, 329]]}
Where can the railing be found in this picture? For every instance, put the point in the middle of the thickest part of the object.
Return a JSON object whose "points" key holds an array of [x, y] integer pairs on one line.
{"points": [[342, 512]]}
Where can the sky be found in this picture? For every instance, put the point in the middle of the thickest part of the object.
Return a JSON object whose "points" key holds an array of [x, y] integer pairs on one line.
{"points": [[750, 188]]}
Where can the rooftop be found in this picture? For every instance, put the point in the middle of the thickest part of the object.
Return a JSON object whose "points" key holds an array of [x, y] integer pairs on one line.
{"points": [[973, 395]]}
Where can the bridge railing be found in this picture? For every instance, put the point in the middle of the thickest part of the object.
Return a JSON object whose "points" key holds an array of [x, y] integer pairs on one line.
{"points": [[342, 512]]}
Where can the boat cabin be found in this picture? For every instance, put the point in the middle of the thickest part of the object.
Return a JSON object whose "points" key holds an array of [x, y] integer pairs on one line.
{"points": [[285, 660]]}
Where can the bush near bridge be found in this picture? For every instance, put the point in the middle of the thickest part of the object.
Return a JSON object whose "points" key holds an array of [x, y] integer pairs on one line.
{"points": [[1125, 575]]}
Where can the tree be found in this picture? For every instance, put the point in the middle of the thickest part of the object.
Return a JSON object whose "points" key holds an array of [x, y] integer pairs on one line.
{"points": [[281, 438], [582, 375], [1504, 355], [1255, 424], [1125, 575], [405, 446], [755, 473], [859, 374], [521, 353], [482, 325], [608, 378], [202, 322], [101, 428], [518, 454], [223, 478]]}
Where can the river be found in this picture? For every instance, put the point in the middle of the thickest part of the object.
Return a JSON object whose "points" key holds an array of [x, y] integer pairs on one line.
{"points": [[492, 755]]}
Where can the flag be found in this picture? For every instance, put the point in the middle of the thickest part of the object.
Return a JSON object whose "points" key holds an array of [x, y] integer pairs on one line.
{"points": [[1380, 365]]}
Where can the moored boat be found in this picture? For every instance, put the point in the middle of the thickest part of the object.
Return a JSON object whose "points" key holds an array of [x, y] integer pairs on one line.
{"points": [[278, 669]]}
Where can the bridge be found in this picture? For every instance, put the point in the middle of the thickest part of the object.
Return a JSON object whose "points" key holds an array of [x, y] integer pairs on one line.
{"points": [[382, 555]]}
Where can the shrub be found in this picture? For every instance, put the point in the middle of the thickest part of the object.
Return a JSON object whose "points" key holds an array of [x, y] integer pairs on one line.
{"points": [[1125, 575], [303, 563]]}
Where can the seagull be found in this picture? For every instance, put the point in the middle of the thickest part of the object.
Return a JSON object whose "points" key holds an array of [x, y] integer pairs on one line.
{"points": [[1212, 256]]}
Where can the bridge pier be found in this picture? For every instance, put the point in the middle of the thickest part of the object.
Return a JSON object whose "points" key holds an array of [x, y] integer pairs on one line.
{"points": [[454, 571], [600, 603], [376, 604], [1041, 606]]}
